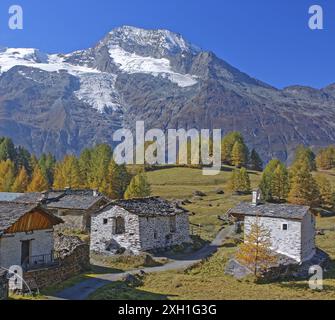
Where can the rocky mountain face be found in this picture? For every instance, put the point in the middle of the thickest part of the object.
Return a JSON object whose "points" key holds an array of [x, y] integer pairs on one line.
{"points": [[63, 103]]}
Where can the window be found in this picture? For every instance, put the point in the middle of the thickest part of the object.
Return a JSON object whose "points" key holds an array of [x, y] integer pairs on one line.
{"points": [[105, 221], [284, 226], [155, 235], [120, 225]]}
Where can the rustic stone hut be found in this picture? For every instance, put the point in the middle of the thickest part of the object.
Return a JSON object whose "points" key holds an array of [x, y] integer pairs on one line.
{"points": [[292, 227], [75, 207], [139, 225], [26, 235]]}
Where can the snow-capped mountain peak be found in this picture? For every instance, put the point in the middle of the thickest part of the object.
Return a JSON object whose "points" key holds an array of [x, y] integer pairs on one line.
{"points": [[158, 42]]}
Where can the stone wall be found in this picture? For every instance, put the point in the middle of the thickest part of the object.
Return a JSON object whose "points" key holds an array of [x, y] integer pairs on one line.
{"points": [[3, 285], [156, 232], [141, 233], [74, 260], [287, 242], [103, 238], [76, 219], [42, 243], [308, 237]]}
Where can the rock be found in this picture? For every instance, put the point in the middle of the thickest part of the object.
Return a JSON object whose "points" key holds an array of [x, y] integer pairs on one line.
{"points": [[234, 268], [219, 191], [65, 245], [132, 280], [199, 194]]}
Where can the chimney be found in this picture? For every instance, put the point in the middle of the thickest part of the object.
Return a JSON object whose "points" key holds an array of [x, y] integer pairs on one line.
{"points": [[256, 197], [95, 193]]}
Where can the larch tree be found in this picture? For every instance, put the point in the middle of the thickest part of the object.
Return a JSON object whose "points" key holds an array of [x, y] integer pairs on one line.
{"points": [[21, 181], [239, 156], [240, 181], [139, 187], [228, 143], [280, 183], [305, 154], [112, 185], [67, 174], [304, 189], [327, 194], [255, 253], [7, 175], [267, 177], [38, 182], [325, 159]]}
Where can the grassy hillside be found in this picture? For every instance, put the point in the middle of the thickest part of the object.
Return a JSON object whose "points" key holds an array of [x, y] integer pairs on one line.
{"points": [[181, 183], [208, 281]]}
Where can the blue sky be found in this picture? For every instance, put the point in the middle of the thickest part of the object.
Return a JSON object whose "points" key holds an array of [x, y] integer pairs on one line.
{"points": [[268, 39]]}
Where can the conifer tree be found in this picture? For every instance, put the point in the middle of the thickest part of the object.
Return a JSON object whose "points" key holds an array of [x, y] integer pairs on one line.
{"points": [[101, 156], [256, 252], [256, 162], [139, 187], [305, 154], [267, 177], [7, 175], [304, 189], [240, 181], [280, 185], [228, 143], [239, 155], [327, 195], [21, 181], [85, 166], [67, 174], [325, 159], [7, 150], [112, 185], [38, 182]]}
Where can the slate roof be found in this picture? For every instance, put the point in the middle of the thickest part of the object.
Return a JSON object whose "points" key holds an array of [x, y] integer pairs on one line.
{"points": [[151, 206], [75, 202], [283, 211], [63, 199], [11, 212], [9, 196]]}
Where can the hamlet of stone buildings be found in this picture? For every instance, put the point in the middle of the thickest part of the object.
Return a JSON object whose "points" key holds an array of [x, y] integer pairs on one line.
{"points": [[32, 226]]}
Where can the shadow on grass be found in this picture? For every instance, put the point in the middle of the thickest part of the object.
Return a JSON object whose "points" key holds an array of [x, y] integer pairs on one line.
{"points": [[122, 291]]}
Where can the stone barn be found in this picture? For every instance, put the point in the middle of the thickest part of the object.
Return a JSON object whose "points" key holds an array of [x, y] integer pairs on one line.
{"points": [[292, 227], [74, 207], [139, 225], [26, 235]]}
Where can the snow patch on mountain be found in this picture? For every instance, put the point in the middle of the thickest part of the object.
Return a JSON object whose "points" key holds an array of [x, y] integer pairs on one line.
{"points": [[98, 90], [132, 63]]}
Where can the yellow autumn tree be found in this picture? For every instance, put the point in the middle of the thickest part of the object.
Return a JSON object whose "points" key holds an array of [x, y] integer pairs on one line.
{"points": [[7, 175], [256, 253], [38, 182], [67, 174], [21, 181]]}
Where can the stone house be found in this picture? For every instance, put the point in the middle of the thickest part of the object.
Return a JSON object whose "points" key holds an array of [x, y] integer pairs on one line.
{"points": [[139, 225], [26, 235], [74, 207], [292, 227]]}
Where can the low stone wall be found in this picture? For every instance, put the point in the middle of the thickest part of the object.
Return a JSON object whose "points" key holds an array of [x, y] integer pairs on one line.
{"points": [[74, 260], [3, 285]]}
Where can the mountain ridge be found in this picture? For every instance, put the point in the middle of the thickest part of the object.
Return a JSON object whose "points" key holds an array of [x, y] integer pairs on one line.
{"points": [[157, 76]]}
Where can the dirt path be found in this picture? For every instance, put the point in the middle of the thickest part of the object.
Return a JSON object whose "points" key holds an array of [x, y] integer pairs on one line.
{"points": [[84, 289]]}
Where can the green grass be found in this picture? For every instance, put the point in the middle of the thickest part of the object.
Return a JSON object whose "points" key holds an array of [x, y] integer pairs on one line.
{"points": [[181, 183]]}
